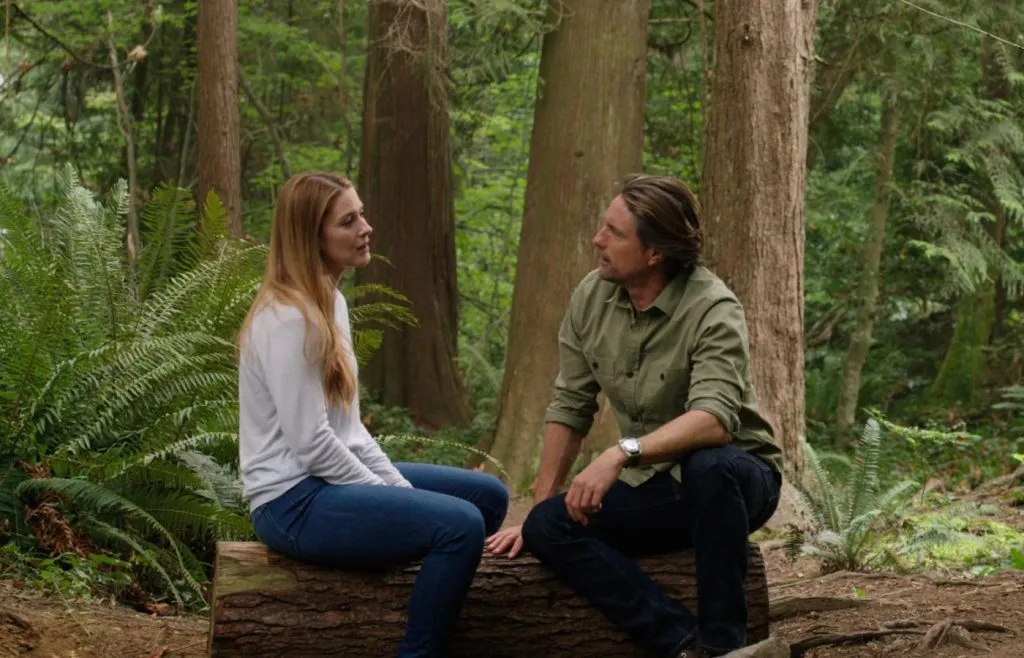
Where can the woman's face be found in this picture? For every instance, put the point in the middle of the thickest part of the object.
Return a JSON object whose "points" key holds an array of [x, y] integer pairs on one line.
{"points": [[345, 234]]}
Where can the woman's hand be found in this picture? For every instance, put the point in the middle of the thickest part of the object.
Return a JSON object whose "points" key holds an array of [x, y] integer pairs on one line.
{"points": [[509, 539]]}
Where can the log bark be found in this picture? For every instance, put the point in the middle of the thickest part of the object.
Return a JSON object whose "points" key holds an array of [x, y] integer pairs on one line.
{"points": [[265, 604]]}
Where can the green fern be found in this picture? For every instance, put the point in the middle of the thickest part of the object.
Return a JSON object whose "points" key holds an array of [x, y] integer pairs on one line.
{"points": [[850, 518], [121, 380]]}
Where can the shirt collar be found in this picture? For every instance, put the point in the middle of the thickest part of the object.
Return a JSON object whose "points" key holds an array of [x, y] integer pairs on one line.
{"points": [[666, 301]]}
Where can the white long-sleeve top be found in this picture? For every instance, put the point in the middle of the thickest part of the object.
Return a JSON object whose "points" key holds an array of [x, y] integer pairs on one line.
{"points": [[287, 429]]}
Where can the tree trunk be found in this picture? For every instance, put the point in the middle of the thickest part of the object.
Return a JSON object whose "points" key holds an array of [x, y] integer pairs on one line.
{"points": [[860, 341], [587, 135], [753, 191], [217, 77], [405, 180], [268, 605]]}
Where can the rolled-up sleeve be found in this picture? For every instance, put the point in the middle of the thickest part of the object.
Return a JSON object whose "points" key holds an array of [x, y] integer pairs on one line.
{"points": [[575, 398], [719, 364]]}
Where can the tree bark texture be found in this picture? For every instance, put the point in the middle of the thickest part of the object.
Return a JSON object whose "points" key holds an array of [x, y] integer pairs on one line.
{"points": [[217, 79], [860, 341], [753, 190], [587, 136], [267, 605], [405, 181]]}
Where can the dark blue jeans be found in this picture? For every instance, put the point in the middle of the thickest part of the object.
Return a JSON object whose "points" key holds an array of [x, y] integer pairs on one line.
{"points": [[725, 494], [442, 520]]}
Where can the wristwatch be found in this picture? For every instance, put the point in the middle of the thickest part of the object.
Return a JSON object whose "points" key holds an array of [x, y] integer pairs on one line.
{"points": [[631, 446]]}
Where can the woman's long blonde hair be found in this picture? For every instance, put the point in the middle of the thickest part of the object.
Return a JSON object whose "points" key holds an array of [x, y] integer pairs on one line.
{"points": [[297, 275]]}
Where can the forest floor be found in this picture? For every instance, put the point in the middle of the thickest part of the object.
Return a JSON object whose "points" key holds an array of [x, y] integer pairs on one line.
{"points": [[904, 611]]}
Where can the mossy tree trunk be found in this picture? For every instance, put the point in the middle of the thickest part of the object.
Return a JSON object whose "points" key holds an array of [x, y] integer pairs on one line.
{"points": [[964, 363]]}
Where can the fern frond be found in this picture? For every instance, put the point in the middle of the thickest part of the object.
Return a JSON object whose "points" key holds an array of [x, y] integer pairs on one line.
{"points": [[100, 500], [865, 473], [166, 222], [147, 554]]}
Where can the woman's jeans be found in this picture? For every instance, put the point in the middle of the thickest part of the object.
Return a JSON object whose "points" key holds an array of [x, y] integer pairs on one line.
{"points": [[442, 520]]}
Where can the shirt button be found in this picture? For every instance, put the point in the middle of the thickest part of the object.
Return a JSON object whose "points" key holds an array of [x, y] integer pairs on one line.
{"points": [[629, 375]]}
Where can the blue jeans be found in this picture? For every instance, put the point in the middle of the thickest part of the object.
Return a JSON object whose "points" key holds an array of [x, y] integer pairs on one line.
{"points": [[725, 494], [442, 520]]}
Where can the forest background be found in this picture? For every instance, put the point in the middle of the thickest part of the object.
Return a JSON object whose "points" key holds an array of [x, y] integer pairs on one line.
{"points": [[861, 167]]}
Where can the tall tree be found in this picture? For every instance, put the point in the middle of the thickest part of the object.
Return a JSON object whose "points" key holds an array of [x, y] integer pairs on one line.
{"points": [[217, 80], [405, 180], [867, 294], [587, 135], [753, 189]]}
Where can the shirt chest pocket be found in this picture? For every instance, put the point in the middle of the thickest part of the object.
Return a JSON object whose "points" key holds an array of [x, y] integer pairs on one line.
{"points": [[605, 371], [667, 390]]}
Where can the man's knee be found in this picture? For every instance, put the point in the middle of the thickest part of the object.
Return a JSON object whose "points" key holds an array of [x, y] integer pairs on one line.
{"points": [[545, 524], [707, 465]]}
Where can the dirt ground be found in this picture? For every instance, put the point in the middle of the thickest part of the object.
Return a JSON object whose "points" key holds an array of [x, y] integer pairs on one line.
{"points": [[901, 609]]}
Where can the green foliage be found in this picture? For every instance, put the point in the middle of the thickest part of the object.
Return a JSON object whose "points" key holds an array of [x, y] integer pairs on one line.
{"points": [[958, 536], [68, 576], [121, 390], [850, 517], [119, 394]]}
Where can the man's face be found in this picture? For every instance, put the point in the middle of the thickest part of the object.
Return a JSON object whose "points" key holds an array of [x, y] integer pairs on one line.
{"points": [[621, 256]]}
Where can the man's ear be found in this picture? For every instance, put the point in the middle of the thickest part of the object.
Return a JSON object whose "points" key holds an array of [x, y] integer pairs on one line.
{"points": [[654, 257]]}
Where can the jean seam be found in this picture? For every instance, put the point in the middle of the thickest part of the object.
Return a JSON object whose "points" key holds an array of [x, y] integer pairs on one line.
{"points": [[291, 540], [685, 644]]}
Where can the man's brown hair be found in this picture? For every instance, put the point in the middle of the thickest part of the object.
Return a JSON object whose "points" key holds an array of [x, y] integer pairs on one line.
{"points": [[667, 218]]}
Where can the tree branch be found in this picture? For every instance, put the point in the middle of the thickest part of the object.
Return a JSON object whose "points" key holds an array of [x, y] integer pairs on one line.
{"points": [[63, 46], [268, 120], [125, 120]]}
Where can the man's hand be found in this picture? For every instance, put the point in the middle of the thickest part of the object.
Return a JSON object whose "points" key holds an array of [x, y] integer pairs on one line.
{"points": [[590, 486], [510, 539]]}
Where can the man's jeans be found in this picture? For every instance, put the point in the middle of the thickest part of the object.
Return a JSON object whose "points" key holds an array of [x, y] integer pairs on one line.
{"points": [[443, 519], [725, 494]]}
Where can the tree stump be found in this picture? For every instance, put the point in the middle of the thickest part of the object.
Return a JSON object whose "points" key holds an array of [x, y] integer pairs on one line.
{"points": [[265, 604]]}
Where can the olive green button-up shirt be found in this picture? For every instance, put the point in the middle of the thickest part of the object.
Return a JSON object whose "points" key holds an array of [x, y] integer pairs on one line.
{"points": [[687, 351]]}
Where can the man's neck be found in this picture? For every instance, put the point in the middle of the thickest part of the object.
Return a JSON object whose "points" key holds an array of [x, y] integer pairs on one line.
{"points": [[643, 292]]}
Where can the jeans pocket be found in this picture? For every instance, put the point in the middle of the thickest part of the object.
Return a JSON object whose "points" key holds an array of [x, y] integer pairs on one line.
{"points": [[270, 532]]}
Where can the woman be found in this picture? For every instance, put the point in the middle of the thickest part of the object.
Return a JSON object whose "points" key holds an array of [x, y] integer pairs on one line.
{"points": [[319, 487]]}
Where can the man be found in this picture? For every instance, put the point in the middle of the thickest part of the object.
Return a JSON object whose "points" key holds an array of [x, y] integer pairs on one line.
{"points": [[666, 341]]}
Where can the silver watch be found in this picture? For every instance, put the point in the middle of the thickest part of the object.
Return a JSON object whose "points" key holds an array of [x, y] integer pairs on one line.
{"points": [[632, 448]]}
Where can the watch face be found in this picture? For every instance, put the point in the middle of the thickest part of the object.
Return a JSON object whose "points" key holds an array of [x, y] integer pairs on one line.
{"points": [[631, 445]]}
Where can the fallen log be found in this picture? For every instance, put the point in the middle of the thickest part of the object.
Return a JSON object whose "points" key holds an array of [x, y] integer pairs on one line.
{"points": [[264, 604]]}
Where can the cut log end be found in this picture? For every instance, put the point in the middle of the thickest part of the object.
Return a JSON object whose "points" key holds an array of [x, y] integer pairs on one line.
{"points": [[265, 604]]}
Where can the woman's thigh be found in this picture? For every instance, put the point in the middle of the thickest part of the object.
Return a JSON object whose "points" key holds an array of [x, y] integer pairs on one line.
{"points": [[374, 526], [485, 491]]}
